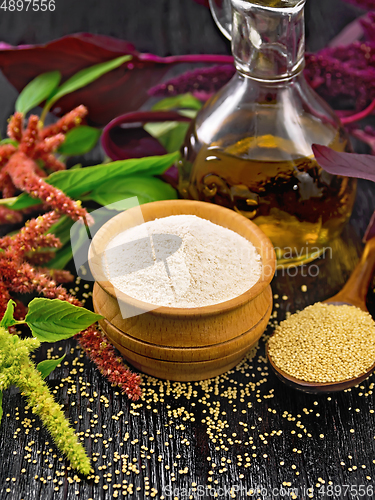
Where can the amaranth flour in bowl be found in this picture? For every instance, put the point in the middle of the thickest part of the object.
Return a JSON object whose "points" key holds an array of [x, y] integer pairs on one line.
{"points": [[181, 261]]}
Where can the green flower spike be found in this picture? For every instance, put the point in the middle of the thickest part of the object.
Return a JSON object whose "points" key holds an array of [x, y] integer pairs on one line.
{"points": [[16, 368]]}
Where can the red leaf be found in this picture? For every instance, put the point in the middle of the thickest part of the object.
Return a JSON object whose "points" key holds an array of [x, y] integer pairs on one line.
{"points": [[118, 92], [124, 137], [347, 164]]}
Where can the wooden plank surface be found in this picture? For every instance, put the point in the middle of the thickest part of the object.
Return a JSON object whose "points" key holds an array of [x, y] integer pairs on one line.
{"points": [[244, 429]]}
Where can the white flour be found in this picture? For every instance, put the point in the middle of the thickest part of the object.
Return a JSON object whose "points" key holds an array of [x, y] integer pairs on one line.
{"points": [[182, 261]]}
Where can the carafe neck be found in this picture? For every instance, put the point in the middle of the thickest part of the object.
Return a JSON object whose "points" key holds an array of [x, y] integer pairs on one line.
{"points": [[268, 38]]}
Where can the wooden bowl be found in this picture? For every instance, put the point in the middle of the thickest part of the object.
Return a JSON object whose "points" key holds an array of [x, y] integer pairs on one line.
{"points": [[184, 344]]}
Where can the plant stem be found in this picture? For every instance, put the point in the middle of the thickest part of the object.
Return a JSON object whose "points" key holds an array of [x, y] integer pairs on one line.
{"points": [[360, 115], [44, 114]]}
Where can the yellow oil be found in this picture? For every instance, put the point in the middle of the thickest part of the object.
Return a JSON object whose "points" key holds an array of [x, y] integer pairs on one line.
{"points": [[299, 206]]}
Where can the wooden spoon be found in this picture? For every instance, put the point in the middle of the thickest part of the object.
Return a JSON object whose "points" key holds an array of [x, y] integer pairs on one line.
{"points": [[354, 294]]}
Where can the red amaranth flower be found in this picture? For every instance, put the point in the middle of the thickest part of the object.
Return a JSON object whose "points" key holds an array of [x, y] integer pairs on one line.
{"points": [[344, 72], [66, 123], [20, 168], [32, 236], [365, 4], [18, 275], [7, 186], [15, 126], [203, 81], [6, 151], [40, 258], [58, 275], [8, 216], [110, 365]]}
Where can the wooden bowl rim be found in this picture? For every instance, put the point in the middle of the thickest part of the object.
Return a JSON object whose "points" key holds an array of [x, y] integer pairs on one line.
{"points": [[266, 251]]}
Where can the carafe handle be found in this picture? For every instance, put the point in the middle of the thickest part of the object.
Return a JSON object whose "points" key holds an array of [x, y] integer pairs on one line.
{"points": [[221, 11]]}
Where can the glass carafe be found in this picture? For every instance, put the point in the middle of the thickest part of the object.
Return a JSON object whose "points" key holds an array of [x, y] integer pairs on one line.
{"points": [[249, 148]]}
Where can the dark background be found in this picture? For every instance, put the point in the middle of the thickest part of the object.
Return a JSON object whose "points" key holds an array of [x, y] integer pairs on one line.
{"points": [[160, 26], [163, 27], [174, 27]]}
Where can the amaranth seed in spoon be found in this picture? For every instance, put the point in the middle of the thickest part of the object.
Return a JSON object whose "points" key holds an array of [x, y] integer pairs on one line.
{"points": [[324, 343]]}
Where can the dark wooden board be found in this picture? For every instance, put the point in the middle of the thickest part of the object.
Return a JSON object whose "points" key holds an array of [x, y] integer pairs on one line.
{"points": [[319, 433]]}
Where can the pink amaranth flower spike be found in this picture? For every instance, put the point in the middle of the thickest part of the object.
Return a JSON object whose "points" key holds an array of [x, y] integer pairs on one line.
{"points": [[20, 166], [109, 364], [365, 4], [66, 123], [20, 275], [15, 127], [8, 216], [345, 72], [204, 82]]}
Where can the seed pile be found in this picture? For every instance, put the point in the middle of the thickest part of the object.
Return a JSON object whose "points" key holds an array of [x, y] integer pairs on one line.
{"points": [[324, 343], [226, 432]]}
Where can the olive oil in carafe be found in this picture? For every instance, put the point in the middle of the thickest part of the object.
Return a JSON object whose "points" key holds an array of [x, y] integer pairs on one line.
{"points": [[300, 207], [250, 146]]}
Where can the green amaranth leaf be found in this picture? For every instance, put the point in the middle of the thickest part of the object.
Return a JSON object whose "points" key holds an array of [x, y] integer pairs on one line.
{"points": [[171, 134], [79, 141], [187, 101], [145, 188], [61, 229], [20, 202], [101, 216], [48, 365], [51, 320], [37, 91], [174, 139], [9, 141], [75, 183], [62, 257], [86, 76], [9, 201], [8, 319]]}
